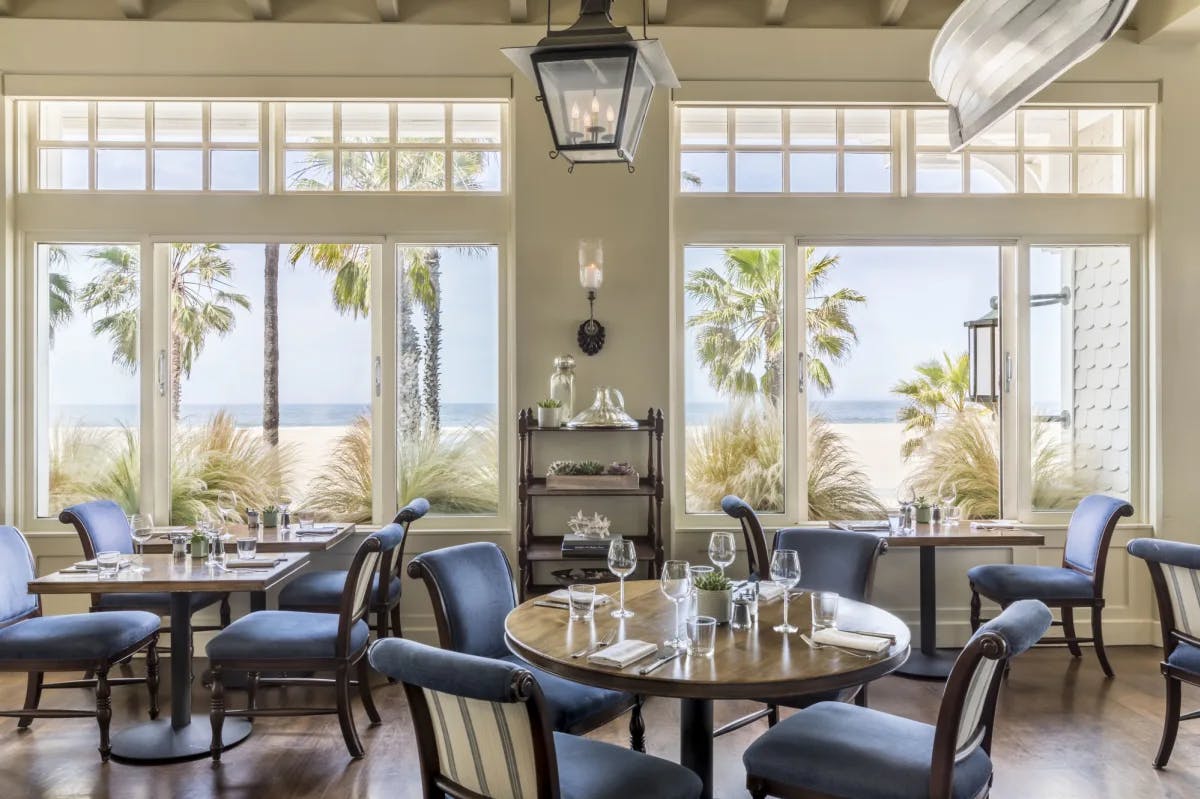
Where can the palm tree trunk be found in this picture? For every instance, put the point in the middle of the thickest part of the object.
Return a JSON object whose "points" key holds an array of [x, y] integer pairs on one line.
{"points": [[433, 345], [176, 376], [271, 344], [408, 368]]}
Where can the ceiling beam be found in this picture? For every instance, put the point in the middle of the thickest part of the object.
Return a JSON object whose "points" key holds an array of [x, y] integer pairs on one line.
{"points": [[657, 11], [776, 9], [518, 10], [260, 9], [133, 9], [1168, 21], [389, 10], [890, 11]]}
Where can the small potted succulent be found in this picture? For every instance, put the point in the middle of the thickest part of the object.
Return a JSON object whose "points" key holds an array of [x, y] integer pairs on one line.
{"points": [[576, 475], [548, 413], [923, 510], [270, 516], [714, 595]]}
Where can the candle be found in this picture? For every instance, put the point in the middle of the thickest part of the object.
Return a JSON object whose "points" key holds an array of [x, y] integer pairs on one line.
{"points": [[591, 277], [575, 116], [587, 121], [595, 106], [610, 115]]}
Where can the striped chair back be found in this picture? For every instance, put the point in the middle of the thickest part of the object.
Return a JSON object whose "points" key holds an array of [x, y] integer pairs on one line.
{"points": [[1175, 572], [356, 597], [481, 729]]}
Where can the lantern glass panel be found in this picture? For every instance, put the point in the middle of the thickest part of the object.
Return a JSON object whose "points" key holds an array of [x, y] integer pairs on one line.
{"points": [[583, 96], [641, 89], [984, 364]]}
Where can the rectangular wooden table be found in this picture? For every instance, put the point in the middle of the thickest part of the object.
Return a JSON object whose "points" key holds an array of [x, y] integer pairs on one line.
{"points": [[175, 738], [270, 539], [929, 662]]}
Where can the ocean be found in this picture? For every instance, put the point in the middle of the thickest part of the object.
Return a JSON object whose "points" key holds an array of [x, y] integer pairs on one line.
{"points": [[454, 414]]}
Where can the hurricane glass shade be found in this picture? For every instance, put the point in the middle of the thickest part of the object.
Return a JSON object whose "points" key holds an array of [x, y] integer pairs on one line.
{"points": [[591, 264]]}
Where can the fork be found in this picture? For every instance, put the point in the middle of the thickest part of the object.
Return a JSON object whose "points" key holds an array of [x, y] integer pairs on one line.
{"points": [[814, 645], [603, 642]]}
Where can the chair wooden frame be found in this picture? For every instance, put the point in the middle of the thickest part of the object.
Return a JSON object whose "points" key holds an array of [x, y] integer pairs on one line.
{"points": [[945, 751], [437, 597], [1067, 607], [344, 660]]}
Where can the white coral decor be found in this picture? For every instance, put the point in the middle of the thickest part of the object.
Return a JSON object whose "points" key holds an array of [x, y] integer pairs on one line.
{"points": [[595, 527]]}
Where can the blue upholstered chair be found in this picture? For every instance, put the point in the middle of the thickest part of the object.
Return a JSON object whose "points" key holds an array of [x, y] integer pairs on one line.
{"points": [[757, 554], [103, 526], [1175, 572], [1078, 583], [842, 561], [482, 729], [321, 591], [288, 640], [471, 588], [34, 644], [835, 749]]}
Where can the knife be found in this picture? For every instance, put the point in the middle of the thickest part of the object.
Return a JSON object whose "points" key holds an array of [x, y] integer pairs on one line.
{"points": [[662, 661], [869, 634]]}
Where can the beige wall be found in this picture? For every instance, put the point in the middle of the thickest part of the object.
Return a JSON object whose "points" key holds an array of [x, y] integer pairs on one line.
{"points": [[632, 212]]}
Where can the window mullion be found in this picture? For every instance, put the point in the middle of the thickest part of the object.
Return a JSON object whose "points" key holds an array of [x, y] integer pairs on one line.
{"points": [[1016, 423], [384, 280], [795, 405]]}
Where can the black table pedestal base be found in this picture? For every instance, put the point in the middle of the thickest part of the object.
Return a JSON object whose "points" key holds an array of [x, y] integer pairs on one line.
{"points": [[159, 742], [696, 740], [935, 665]]}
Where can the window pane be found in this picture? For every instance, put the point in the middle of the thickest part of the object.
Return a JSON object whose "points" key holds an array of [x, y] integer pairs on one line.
{"points": [[993, 173], [420, 170], [421, 123], [365, 170], [60, 168], [1101, 173], [178, 122], [234, 170], [121, 121], [813, 126], [814, 173], [932, 127], [87, 393], [887, 394], [1080, 374], [868, 127], [234, 122], [476, 123], [227, 420], [758, 125], [1002, 134], [734, 377], [477, 170], [179, 170], [1101, 127], [121, 170], [1047, 173], [1050, 128], [758, 172], [703, 126], [704, 172], [868, 173], [447, 416], [939, 173], [63, 121], [308, 122], [308, 170], [365, 122]]}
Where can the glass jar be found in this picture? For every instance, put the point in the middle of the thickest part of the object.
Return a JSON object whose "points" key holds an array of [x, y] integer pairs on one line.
{"points": [[562, 385]]}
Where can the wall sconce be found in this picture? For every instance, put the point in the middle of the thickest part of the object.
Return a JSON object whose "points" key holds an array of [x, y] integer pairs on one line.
{"points": [[591, 275], [983, 352]]}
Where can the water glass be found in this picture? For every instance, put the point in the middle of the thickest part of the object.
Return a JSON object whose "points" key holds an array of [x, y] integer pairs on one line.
{"points": [[107, 564], [824, 610], [702, 634], [306, 518], [894, 523], [247, 548], [582, 601], [722, 550]]}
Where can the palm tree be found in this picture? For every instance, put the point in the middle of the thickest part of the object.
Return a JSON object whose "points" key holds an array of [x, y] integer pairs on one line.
{"points": [[940, 389], [271, 344], [741, 324], [202, 304]]}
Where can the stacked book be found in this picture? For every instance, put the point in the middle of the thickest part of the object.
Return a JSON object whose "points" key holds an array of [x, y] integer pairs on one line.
{"points": [[579, 546]]}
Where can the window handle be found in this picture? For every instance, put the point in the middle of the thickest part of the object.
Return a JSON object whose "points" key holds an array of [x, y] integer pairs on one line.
{"points": [[1008, 372], [378, 375], [803, 373], [162, 373]]}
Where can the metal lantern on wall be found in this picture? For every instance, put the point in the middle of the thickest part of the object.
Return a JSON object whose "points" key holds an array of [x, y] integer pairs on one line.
{"points": [[983, 351], [595, 82]]}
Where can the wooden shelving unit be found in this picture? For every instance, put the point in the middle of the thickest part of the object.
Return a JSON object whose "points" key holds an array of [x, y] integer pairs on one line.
{"points": [[533, 548]]}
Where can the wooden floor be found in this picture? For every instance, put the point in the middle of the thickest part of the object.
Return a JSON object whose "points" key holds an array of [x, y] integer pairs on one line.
{"points": [[1062, 731]]}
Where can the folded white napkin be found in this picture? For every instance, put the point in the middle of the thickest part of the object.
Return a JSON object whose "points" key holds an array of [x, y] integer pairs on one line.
{"points": [[623, 653], [864, 643], [258, 563], [998, 524], [317, 528], [868, 526], [90, 565], [564, 596], [768, 591]]}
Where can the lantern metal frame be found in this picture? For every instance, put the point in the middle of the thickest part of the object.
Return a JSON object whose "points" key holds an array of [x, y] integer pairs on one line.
{"points": [[991, 321]]}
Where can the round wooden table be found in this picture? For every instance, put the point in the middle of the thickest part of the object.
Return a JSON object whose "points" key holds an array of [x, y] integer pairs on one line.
{"points": [[747, 664]]}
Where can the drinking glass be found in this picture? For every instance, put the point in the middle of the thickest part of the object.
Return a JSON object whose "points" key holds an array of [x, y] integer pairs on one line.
{"points": [[141, 530], [306, 518], [284, 502], [622, 560], [894, 522], [785, 570], [702, 631], [247, 548], [107, 564], [948, 498], [824, 610], [676, 585], [722, 549], [227, 507], [582, 600]]}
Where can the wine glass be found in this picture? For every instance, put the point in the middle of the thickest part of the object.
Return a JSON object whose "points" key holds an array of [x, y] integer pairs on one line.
{"points": [[141, 530], [622, 560], [676, 584], [948, 499], [227, 507], [722, 549], [785, 571]]}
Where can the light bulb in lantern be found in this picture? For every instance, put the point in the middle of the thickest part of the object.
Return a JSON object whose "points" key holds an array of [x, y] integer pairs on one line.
{"points": [[575, 116], [610, 115], [587, 120], [595, 105]]}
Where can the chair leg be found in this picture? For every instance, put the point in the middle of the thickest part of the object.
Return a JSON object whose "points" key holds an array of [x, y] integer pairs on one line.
{"points": [[364, 691], [216, 715], [345, 713], [1098, 634], [152, 677], [225, 611], [1068, 625], [251, 691], [756, 788], [1170, 724], [861, 698], [975, 607], [637, 726], [381, 625], [772, 715], [103, 710], [33, 695], [396, 621]]}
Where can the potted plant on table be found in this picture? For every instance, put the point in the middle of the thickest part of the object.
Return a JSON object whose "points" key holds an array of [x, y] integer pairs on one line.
{"points": [[923, 510], [714, 595], [270, 516], [548, 413], [575, 475]]}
